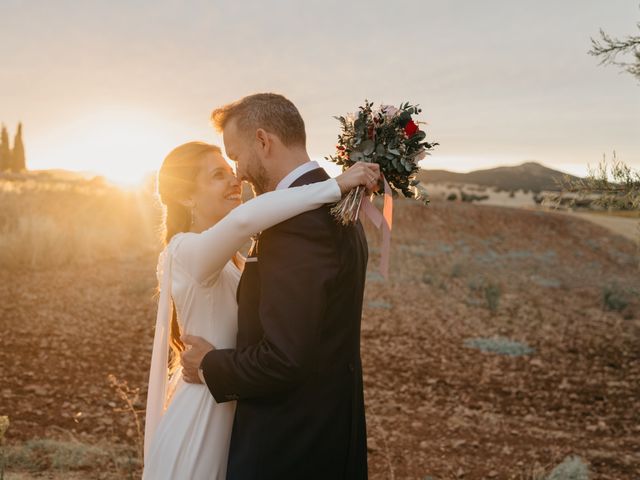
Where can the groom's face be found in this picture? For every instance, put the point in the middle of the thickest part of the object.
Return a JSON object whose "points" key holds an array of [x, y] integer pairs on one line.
{"points": [[241, 149]]}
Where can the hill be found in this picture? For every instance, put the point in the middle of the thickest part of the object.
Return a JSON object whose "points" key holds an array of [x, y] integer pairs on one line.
{"points": [[527, 176]]}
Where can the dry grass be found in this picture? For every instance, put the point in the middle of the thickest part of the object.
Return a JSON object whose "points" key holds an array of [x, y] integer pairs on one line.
{"points": [[96, 460], [47, 223]]}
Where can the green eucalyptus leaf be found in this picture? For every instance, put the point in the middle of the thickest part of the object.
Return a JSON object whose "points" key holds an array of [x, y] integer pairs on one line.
{"points": [[357, 156], [419, 135], [368, 146], [404, 118]]}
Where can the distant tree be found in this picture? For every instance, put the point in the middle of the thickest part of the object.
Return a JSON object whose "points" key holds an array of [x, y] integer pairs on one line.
{"points": [[5, 150], [608, 49], [623, 190], [617, 185], [471, 197], [18, 161]]}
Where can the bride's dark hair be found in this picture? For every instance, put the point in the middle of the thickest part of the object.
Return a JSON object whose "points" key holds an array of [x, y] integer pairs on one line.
{"points": [[176, 181]]}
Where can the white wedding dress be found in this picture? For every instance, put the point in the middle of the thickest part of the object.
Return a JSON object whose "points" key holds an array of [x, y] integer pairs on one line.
{"points": [[187, 433]]}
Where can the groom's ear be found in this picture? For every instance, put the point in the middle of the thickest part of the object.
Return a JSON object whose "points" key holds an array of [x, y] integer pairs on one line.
{"points": [[264, 140]]}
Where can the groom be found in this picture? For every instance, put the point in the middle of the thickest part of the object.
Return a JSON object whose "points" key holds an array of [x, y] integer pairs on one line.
{"points": [[296, 370]]}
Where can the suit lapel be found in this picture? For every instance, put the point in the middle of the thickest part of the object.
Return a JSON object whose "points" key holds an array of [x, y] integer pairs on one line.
{"points": [[246, 295], [313, 176]]}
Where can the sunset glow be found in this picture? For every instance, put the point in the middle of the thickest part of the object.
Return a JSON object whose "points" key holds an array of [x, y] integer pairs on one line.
{"points": [[109, 97], [123, 145]]}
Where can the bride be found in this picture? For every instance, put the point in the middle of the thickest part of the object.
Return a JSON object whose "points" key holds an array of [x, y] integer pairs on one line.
{"points": [[187, 433]]}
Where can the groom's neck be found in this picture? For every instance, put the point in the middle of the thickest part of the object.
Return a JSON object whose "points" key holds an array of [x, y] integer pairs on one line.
{"points": [[287, 163]]}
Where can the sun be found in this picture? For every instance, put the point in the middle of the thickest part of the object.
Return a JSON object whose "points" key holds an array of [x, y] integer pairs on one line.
{"points": [[121, 144]]}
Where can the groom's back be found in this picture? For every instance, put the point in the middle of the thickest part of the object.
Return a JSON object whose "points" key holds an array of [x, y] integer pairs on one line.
{"points": [[308, 276]]}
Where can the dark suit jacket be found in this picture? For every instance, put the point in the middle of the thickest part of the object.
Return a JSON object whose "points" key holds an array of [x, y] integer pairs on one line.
{"points": [[296, 370]]}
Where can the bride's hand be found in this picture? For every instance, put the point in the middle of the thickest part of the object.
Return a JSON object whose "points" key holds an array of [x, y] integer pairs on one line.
{"points": [[361, 173], [192, 357]]}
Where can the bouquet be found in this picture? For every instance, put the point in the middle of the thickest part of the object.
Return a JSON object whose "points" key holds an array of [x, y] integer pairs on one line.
{"points": [[389, 137]]}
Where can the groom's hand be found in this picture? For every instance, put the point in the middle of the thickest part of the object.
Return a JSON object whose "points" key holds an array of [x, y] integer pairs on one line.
{"points": [[192, 357]]}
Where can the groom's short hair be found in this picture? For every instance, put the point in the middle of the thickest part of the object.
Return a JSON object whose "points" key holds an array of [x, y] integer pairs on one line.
{"points": [[270, 111]]}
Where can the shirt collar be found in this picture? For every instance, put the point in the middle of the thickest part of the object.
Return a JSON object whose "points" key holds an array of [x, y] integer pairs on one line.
{"points": [[296, 173]]}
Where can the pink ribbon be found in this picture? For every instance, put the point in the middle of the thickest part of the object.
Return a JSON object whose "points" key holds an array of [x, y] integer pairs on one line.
{"points": [[382, 221]]}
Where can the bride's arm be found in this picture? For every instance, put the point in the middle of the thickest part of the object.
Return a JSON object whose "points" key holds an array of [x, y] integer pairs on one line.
{"points": [[205, 254]]}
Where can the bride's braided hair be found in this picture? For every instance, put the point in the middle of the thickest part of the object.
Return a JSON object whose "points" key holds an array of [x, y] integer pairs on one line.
{"points": [[176, 181]]}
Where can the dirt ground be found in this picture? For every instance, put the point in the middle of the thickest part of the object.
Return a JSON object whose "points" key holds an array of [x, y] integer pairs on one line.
{"points": [[627, 227], [435, 406]]}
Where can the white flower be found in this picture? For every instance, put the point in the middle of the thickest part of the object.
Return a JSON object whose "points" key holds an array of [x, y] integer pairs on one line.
{"points": [[388, 110], [351, 117]]}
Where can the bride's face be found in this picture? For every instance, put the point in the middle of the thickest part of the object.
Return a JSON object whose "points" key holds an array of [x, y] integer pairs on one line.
{"points": [[217, 191]]}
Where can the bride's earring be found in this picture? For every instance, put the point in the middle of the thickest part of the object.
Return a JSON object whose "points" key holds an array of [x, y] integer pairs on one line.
{"points": [[193, 217]]}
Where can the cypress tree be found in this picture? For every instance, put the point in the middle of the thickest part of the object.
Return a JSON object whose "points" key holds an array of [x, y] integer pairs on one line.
{"points": [[5, 150], [18, 163]]}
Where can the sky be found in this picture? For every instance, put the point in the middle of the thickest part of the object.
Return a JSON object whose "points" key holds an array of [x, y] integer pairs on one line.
{"points": [[112, 86]]}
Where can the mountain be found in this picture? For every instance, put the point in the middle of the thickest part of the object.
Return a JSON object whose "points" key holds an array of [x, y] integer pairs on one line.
{"points": [[528, 176]]}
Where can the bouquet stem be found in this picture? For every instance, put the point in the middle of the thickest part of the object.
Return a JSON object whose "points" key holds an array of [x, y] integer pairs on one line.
{"points": [[346, 211]]}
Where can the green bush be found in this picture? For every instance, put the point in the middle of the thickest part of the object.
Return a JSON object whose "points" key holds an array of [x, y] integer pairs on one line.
{"points": [[614, 298], [379, 304], [41, 454], [490, 291], [457, 269], [45, 454], [492, 296], [499, 345], [572, 468]]}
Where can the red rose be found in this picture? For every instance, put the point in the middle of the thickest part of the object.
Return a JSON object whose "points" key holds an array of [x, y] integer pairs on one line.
{"points": [[410, 129]]}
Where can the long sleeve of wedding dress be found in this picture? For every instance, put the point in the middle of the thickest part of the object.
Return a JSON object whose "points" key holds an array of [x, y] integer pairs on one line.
{"points": [[205, 254]]}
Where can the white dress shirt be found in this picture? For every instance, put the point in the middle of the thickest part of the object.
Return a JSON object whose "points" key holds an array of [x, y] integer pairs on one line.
{"points": [[296, 173]]}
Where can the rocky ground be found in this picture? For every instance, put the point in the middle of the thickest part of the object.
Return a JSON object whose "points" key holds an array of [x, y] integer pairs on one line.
{"points": [[566, 289]]}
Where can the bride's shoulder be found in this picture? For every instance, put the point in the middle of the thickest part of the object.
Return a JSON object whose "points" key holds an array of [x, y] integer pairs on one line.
{"points": [[170, 249], [176, 240]]}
